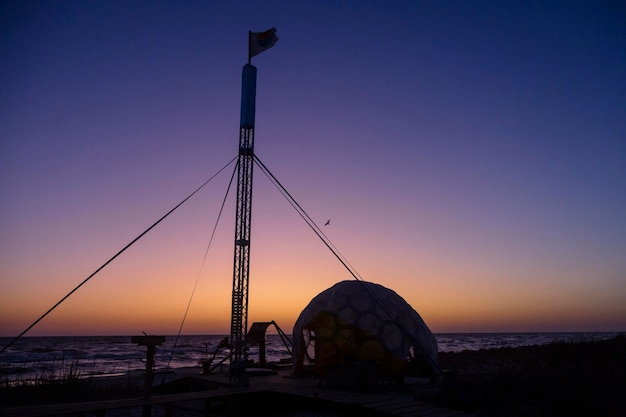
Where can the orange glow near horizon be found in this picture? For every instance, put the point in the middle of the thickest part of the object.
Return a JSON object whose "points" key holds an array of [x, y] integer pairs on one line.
{"points": [[150, 293], [115, 305]]}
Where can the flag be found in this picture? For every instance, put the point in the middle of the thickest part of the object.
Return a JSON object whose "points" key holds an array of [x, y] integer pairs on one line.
{"points": [[260, 41]]}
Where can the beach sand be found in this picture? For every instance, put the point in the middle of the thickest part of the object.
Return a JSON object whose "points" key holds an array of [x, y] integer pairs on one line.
{"points": [[559, 379]]}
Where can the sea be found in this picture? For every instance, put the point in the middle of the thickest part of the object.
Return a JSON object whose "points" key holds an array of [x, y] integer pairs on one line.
{"points": [[49, 358]]}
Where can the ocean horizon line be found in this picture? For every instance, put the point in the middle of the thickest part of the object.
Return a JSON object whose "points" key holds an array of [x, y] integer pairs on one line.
{"points": [[498, 332]]}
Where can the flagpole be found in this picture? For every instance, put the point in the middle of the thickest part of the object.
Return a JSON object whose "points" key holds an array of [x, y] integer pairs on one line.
{"points": [[243, 216]]}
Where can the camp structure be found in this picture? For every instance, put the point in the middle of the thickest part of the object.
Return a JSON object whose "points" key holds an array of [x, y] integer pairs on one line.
{"points": [[363, 328]]}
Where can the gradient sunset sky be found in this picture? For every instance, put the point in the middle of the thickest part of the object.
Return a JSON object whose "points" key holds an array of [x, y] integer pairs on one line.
{"points": [[471, 156]]}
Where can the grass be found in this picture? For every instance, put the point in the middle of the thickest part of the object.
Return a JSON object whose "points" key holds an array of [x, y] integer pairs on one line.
{"points": [[64, 382], [64, 390]]}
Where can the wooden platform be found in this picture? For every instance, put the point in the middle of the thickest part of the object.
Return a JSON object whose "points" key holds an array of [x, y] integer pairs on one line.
{"points": [[392, 404], [262, 394], [390, 401], [100, 407]]}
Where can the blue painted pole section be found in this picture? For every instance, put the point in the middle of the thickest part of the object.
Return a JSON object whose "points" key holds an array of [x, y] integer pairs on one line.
{"points": [[248, 95]]}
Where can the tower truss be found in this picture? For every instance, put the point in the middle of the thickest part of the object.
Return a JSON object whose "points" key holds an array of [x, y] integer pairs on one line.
{"points": [[243, 220]]}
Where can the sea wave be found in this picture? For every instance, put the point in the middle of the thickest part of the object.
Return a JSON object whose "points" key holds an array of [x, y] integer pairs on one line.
{"points": [[34, 357]]}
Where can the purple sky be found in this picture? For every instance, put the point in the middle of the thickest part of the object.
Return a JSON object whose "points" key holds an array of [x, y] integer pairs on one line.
{"points": [[470, 155]]}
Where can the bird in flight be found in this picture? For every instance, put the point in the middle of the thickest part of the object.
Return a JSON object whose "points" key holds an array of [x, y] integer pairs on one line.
{"points": [[327, 222]]}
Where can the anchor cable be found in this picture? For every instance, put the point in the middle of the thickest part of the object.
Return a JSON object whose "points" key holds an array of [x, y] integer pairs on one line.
{"points": [[114, 256], [195, 285], [316, 229]]}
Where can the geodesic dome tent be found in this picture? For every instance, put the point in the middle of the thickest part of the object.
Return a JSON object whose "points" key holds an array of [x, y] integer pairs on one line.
{"points": [[357, 321]]}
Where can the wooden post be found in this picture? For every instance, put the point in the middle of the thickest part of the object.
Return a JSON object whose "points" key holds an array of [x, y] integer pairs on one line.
{"points": [[151, 342]]}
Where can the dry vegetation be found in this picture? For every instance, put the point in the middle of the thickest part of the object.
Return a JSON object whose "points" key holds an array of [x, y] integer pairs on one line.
{"points": [[559, 379], [67, 388]]}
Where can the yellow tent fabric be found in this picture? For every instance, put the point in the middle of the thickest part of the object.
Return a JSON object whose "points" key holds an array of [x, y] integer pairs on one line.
{"points": [[356, 321]]}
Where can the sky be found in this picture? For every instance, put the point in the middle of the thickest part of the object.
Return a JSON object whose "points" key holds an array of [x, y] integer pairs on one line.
{"points": [[471, 156]]}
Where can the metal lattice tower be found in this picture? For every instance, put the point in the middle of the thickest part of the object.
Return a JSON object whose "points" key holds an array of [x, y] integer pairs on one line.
{"points": [[243, 219]]}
